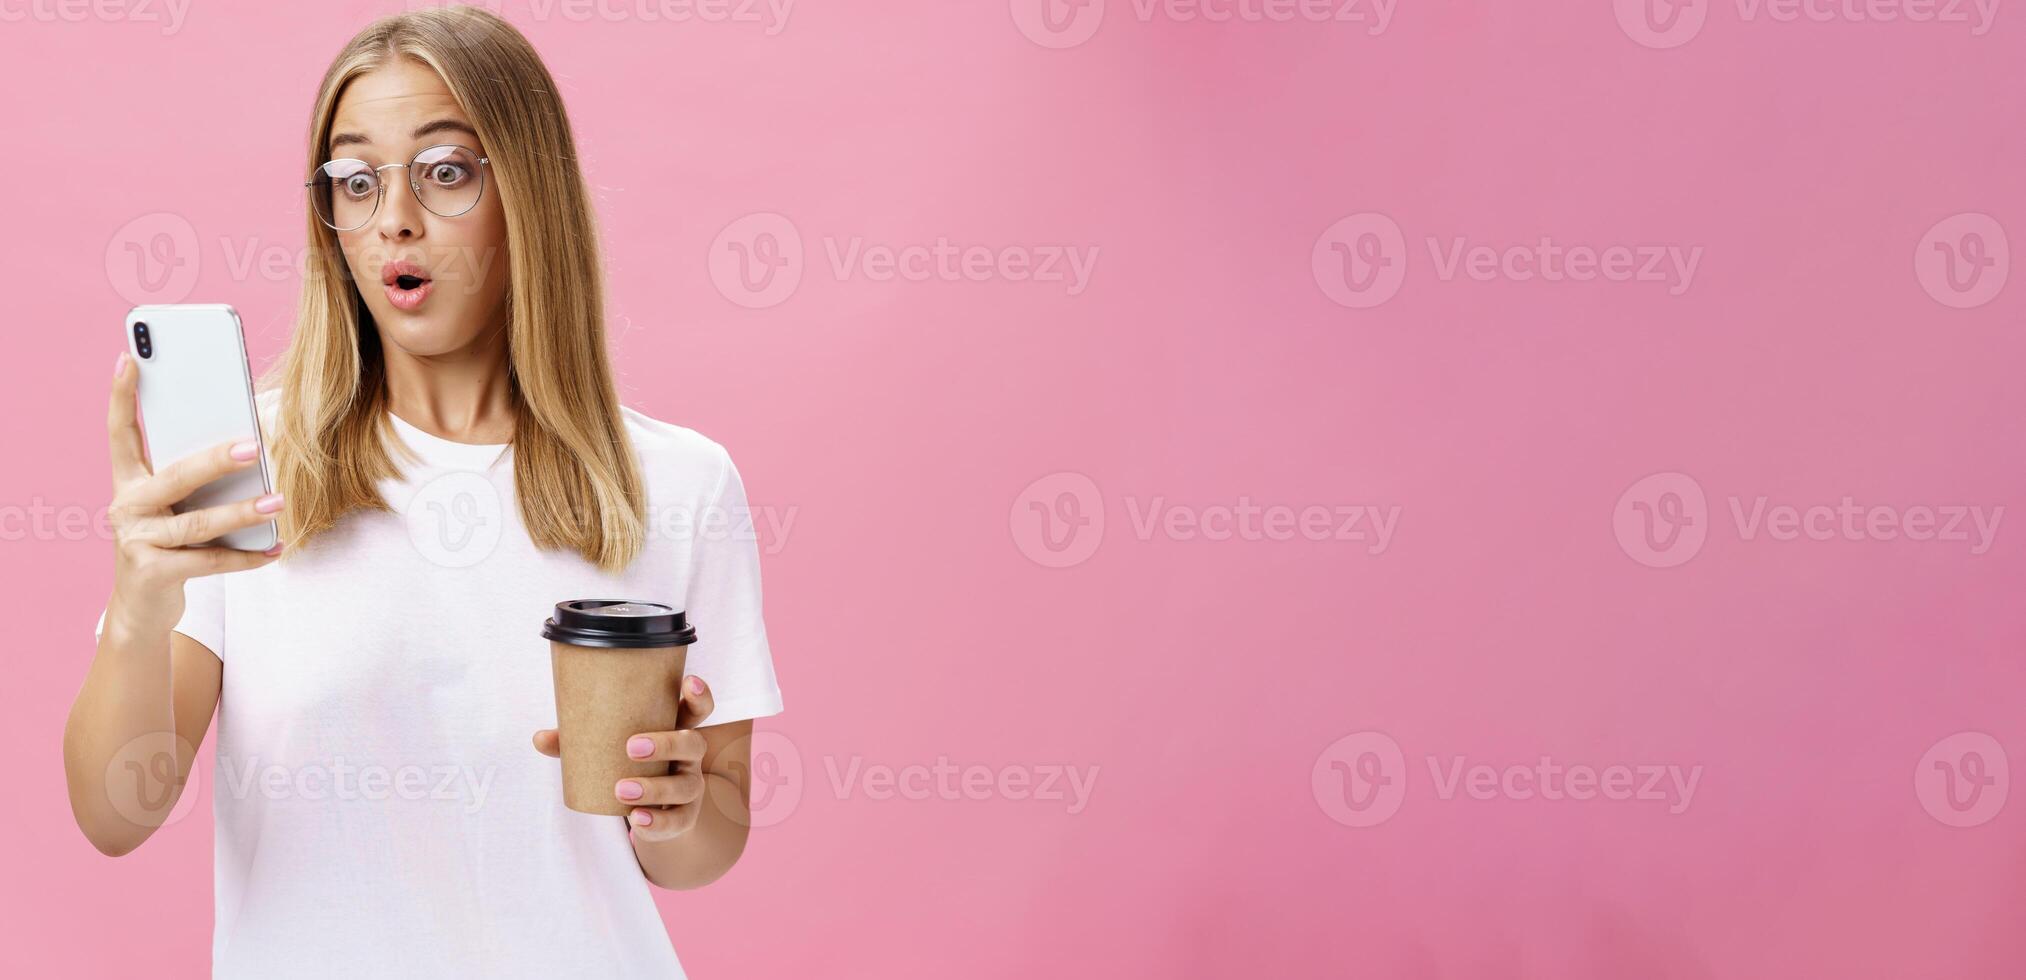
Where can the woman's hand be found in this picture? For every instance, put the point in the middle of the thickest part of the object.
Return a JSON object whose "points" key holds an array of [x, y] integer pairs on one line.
{"points": [[151, 561], [667, 806]]}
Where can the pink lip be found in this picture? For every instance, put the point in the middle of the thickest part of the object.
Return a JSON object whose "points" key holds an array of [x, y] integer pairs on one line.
{"points": [[408, 300]]}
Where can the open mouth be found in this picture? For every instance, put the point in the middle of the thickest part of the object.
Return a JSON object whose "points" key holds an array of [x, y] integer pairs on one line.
{"points": [[407, 285]]}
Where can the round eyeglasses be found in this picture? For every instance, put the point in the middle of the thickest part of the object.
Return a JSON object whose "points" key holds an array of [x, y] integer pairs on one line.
{"points": [[447, 179]]}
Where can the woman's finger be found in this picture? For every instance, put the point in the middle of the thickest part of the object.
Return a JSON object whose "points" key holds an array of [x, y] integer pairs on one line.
{"points": [[129, 453], [660, 824], [189, 563], [696, 703], [198, 526], [178, 480], [674, 789], [687, 745], [549, 743]]}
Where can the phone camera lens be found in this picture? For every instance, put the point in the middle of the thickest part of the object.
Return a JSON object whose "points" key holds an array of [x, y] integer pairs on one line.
{"points": [[141, 344]]}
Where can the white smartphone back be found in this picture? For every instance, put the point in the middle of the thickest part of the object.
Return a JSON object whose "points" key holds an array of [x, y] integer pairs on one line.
{"points": [[196, 391]]}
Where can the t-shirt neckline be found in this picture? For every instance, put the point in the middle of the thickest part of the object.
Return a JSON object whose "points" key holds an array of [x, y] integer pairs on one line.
{"points": [[440, 452]]}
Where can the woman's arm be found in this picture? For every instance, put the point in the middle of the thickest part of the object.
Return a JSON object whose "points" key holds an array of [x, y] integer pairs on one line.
{"points": [[693, 844], [133, 731], [689, 827]]}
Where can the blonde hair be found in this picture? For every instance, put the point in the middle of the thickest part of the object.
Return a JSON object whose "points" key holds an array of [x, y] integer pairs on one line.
{"points": [[578, 483]]}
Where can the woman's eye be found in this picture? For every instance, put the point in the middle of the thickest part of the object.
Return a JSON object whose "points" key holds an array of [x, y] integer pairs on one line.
{"points": [[358, 185], [446, 175]]}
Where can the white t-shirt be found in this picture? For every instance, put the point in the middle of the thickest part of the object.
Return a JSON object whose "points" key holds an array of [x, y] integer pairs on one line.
{"points": [[381, 810]]}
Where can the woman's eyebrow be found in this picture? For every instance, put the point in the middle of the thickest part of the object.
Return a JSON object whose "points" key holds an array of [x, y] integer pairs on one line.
{"points": [[440, 125], [433, 126]]}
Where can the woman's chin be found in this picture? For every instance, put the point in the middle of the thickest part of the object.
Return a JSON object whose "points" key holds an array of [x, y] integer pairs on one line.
{"points": [[422, 334]]}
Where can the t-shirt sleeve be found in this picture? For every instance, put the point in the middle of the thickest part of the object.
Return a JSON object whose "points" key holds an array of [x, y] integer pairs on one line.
{"points": [[730, 652], [203, 613]]}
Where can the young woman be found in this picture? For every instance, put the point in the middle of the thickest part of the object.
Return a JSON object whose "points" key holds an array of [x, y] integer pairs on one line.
{"points": [[451, 460]]}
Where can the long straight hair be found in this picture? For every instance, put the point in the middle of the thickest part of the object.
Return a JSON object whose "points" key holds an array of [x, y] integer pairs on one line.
{"points": [[578, 483]]}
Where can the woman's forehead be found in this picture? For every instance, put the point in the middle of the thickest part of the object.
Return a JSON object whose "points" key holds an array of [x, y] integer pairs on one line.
{"points": [[386, 104]]}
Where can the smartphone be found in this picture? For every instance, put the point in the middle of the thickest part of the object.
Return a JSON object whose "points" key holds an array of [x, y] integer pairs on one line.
{"points": [[196, 391]]}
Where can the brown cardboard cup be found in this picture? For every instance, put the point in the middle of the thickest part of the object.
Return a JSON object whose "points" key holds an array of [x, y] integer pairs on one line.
{"points": [[618, 668]]}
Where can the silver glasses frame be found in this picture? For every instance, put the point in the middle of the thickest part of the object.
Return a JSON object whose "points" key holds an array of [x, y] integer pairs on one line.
{"points": [[414, 186]]}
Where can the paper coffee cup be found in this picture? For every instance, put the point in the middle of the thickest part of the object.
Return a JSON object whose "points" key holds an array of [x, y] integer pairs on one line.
{"points": [[618, 667]]}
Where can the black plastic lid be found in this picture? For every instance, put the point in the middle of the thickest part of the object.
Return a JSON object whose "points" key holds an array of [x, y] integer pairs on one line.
{"points": [[618, 623]]}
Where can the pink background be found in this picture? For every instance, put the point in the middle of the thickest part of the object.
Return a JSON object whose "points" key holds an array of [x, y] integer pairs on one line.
{"points": [[1211, 683]]}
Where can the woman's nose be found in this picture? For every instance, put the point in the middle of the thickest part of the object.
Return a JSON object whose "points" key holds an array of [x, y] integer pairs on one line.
{"points": [[400, 212]]}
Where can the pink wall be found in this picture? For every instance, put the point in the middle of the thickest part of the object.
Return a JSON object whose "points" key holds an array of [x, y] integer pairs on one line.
{"points": [[1283, 726]]}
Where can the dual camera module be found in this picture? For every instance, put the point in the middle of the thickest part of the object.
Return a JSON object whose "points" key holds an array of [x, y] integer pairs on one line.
{"points": [[142, 344]]}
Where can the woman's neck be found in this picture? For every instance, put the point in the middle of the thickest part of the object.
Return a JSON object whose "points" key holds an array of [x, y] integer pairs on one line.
{"points": [[462, 396]]}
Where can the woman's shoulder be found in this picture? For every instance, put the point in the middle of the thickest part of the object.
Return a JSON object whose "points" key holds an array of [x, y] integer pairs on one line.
{"points": [[668, 451]]}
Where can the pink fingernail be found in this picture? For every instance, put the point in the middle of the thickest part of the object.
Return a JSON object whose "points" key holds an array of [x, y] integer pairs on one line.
{"points": [[629, 790], [639, 746], [119, 363], [245, 450], [268, 504], [696, 685], [640, 818]]}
